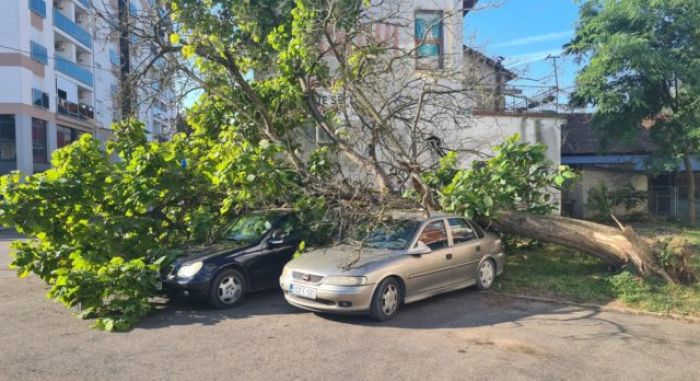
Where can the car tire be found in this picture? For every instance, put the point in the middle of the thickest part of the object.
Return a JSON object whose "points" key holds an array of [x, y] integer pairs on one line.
{"points": [[227, 289], [386, 300], [486, 274]]}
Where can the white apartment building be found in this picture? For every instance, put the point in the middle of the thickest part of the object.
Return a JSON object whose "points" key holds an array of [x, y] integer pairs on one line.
{"points": [[428, 35], [59, 75]]}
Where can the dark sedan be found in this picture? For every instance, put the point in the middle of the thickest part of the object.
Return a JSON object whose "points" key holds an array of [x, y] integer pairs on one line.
{"points": [[248, 257]]}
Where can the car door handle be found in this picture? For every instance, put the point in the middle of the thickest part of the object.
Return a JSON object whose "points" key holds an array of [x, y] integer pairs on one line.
{"points": [[448, 256], [478, 248]]}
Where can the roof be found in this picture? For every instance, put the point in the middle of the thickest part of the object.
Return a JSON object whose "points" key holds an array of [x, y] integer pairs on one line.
{"points": [[630, 162], [468, 5], [490, 61], [578, 138]]}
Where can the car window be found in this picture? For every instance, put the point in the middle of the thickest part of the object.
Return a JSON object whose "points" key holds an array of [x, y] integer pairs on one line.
{"points": [[249, 228], [393, 235], [461, 231], [479, 230], [290, 229], [434, 235]]}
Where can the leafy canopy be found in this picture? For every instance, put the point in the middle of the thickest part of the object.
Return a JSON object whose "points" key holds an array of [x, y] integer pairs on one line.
{"points": [[642, 63], [104, 228]]}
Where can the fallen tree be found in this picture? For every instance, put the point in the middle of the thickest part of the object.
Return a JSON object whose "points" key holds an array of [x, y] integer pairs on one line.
{"points": [[511, 193], [616, 247]]}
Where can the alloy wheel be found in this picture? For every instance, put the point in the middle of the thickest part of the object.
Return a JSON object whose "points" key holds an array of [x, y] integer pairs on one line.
{"points": [[486, 273], [230, 289], [390, 299]]}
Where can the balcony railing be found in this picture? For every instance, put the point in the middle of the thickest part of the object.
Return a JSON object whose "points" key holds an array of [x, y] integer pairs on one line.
{"points": [[519, 99], [74, 110], [72, 29], [38, 7], [73, 70]]}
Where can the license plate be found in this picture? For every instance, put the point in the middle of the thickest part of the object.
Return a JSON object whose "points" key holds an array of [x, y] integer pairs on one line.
{"points": [[304, 292]]}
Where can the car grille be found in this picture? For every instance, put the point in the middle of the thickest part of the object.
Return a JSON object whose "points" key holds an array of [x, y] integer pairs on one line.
{"points": [[306, 277]]}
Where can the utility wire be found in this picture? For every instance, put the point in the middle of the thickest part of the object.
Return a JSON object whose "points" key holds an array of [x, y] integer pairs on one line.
{"points": [[28, 54]]}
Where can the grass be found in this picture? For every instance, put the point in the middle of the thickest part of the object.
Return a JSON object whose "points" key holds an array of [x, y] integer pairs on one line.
{"points": [[553, 271]]}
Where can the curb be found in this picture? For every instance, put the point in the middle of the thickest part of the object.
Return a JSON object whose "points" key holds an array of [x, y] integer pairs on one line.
{"points": [[599, 307]]}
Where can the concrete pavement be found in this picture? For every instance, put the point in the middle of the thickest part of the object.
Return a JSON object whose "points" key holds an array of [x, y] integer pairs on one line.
{"points": [[462, 335]]}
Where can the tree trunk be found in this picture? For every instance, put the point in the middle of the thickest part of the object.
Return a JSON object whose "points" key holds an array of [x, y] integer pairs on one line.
{"points": [[691, 188], [617, 247]]}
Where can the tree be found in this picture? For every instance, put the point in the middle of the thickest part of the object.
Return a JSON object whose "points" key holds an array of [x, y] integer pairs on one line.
{"points": [[643, 69], [384, 116], [104, 228]]}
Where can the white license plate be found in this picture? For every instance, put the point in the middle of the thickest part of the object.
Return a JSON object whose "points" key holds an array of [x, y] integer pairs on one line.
{"points": [[304, 292]]}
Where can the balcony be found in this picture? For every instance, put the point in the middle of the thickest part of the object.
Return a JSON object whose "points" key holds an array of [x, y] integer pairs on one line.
{"points": [[519, 99], [38, 7], [74, 110], [73, 70], [72, 29]]}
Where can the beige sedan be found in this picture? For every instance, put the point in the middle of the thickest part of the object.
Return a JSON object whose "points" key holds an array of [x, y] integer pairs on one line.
{"points": [[406, 260]]}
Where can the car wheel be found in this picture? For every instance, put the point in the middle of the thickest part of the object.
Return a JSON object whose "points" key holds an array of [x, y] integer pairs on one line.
{"points": [[386, 299], [227, 289], [486, 275]]}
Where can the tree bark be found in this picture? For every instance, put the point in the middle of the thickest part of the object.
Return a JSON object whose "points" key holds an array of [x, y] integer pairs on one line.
{"points": [[691, 188], [616, 247]]}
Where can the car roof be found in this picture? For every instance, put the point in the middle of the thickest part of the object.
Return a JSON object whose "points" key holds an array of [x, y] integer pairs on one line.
{"points": [[419, 215]]}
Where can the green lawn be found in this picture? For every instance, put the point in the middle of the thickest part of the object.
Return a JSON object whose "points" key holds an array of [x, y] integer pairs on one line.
{"points": [[553, 271]]}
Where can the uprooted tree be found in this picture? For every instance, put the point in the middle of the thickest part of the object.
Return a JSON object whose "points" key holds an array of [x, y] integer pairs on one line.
{"points": [[386, 116], [276, 76]]}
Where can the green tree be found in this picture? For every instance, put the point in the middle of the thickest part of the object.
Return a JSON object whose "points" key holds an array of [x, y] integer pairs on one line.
{"points": [[105, 227], [643, 66]]}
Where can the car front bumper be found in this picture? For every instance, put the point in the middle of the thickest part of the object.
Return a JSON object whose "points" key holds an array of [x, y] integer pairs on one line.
{"points": [[335, 299], [197, 289]]}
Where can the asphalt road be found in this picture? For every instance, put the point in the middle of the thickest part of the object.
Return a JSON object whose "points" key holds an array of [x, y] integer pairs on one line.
{"points": [[459, 336]]}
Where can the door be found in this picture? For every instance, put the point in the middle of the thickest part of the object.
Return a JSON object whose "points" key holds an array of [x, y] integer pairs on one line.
{"points": [[278, 247], [466, 249], [431, 272]]}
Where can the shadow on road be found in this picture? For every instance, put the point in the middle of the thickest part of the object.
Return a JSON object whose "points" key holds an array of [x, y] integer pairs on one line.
{"points": [[184, 312], [459, 309]]}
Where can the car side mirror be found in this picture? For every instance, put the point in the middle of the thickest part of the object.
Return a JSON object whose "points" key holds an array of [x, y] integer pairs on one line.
{"points": [[419, 249], [276, 238]]}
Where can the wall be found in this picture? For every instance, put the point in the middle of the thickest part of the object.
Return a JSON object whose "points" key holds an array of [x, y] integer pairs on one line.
{"points": [[613, 179]]}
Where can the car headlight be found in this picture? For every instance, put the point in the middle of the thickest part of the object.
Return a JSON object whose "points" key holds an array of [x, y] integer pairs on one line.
{"points": [[345, 281], [189, 270], [286, 272]]}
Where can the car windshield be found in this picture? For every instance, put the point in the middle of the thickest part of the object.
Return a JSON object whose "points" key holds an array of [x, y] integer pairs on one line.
{"points": [[249, 229], [394, 235]]}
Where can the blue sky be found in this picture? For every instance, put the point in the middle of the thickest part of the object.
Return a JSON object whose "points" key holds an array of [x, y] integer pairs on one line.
{"points": [[524, 32]]}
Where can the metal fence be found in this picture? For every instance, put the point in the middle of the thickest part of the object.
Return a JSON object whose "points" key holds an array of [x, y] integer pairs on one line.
{"points": [[671, 201]]}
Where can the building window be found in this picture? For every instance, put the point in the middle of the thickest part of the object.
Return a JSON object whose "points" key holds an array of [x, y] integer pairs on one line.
{"points": [[39, 150], [39, 53], [8, 144], [65, 136], [40, 98], [114, 57], [133, 9], [429, 40], [38, 7]]}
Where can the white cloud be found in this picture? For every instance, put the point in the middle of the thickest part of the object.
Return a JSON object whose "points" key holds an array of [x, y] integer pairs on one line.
{"points": [[534, 39]]}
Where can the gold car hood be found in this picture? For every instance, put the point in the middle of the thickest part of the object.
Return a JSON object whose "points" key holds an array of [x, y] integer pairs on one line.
{"points": [[342, 259]]}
